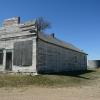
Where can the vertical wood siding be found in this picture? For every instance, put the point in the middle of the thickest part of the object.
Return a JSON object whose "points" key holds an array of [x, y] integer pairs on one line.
{"points": [[52, 58], [23, 53]]}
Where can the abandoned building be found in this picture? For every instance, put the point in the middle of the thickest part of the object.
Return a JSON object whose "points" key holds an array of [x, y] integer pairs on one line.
{"points": [[24, 49]]}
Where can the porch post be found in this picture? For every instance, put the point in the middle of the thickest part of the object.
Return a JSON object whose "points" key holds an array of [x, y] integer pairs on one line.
{"points": [[4, 59]]}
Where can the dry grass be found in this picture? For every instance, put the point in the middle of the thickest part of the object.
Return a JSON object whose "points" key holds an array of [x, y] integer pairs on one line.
{"points": [[70, 86], [63, 80]]}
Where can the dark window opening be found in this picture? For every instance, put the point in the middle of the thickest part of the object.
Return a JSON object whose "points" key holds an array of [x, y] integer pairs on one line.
{"points": [[1, 58], [9, 61]]}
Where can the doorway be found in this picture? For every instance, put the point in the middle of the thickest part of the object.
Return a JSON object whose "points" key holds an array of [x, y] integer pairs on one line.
{"points": [[9, 61]]}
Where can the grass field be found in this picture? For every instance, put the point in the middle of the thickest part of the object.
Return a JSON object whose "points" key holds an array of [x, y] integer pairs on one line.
{"points": [[70, 86], [63, 80]]}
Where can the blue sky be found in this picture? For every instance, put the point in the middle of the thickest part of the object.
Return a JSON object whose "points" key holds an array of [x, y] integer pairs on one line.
{"points": [[75, 21]]}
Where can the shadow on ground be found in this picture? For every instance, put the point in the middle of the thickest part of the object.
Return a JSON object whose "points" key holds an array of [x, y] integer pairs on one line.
{"points": [[77, 74]]}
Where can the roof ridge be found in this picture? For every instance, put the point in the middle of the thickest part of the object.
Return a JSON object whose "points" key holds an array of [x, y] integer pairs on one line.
{"points": [[59, 42]]}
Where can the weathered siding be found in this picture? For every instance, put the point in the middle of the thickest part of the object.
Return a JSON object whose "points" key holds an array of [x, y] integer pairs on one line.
{"points": [[31, 68], [52, 58], [14, 32], [8, 44]]}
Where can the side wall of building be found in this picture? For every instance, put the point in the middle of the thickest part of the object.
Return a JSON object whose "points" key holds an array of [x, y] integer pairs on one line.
{"points": [[53, 58]]}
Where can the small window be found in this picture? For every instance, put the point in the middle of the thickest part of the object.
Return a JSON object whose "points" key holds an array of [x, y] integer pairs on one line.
{"points": [[1, 58]]}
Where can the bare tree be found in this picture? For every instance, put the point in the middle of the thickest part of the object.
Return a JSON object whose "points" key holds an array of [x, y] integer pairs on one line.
{"points": [[42, 24]]}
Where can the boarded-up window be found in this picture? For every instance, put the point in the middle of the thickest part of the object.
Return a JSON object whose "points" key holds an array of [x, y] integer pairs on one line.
{"points": [[23, 53], [1, 57]]}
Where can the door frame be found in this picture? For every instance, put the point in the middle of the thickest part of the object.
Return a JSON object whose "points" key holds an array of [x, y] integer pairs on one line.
{"points": [[9, 51]]}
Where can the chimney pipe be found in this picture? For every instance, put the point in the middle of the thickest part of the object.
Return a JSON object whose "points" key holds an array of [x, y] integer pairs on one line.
{"points": [[53, 35]]}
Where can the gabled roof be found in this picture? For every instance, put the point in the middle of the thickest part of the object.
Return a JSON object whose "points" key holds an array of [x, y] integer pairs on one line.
{"points": [[58, 42]]}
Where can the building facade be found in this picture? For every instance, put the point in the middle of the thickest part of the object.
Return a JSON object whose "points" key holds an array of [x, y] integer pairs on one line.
{"points": [[23, 49], [92, 64]]}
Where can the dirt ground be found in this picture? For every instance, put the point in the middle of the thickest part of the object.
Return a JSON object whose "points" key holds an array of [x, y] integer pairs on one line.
{"points": [[39, 93]]}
